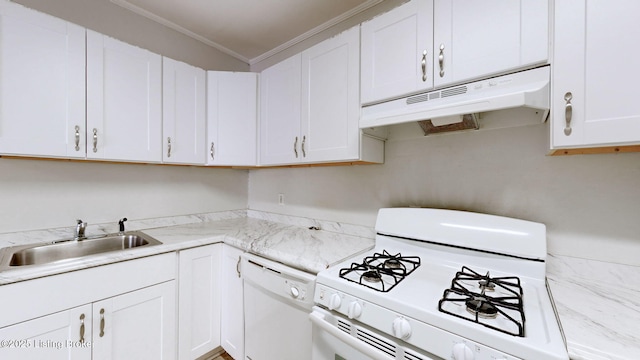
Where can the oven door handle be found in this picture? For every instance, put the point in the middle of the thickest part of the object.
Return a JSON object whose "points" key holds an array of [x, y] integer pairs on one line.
{"points": [[319, 320]]}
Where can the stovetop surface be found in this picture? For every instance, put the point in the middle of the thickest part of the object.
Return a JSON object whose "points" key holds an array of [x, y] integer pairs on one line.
{"points": [[417, 295]]}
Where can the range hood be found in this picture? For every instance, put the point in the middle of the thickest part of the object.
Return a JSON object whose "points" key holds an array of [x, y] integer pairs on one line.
{"points": [[528, 88]]}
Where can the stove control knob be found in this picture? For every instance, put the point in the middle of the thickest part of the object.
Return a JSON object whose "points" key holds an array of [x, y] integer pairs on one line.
{"points": [[401, 328], [462, 352], [334, 301], [355, 310], [294, 292]]}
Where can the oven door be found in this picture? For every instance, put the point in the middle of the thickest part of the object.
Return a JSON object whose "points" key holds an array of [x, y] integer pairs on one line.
{"points": [[338, 338]]}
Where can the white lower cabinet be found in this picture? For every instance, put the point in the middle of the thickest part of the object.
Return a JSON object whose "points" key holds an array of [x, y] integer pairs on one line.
{"points": [[49, 337], [232, 299], [136, 325], [199, 301], [124, 310]]}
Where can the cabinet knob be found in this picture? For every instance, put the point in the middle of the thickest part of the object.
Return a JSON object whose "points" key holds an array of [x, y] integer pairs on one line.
{"points": [[212, 152], [304, 153], [568, 113], [95, 140], [102, 322], [424, 65], [81, 328], [169, 147], [77, 138], [295, 147], [441, 60]]}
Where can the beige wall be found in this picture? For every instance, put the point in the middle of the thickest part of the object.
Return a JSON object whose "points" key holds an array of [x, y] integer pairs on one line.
{"points": [[590, 203], [107, 18]]}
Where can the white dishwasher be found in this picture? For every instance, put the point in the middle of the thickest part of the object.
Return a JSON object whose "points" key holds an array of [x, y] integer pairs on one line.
{"points": [[277, 303]]}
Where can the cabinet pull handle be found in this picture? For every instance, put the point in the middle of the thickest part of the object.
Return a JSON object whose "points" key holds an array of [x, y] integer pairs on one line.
{"points": [[424, 65], [295, 147], [568, 113], [95, 140], [101, 322], [304, 139], [169, 147], [77, 138], [81, 328], [212, 151], [441, 60], [238, 266]]}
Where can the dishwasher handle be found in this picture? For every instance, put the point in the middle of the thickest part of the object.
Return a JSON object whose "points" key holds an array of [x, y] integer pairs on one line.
{"points": [[319, 320]]}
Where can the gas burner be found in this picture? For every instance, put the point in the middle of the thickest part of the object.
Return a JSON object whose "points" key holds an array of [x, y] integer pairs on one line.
{"points": [[502, 310], [381, 271], [482, 307], [372, 276], [392, 264]]}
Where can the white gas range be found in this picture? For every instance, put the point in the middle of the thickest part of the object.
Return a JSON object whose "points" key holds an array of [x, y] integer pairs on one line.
{"points": [[440, 284]]}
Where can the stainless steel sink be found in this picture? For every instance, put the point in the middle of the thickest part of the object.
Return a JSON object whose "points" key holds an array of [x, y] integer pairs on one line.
{"points": [[43, 254]]}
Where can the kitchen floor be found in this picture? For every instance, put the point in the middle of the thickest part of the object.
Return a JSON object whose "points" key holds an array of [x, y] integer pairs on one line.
{"points": [[224, 356]]}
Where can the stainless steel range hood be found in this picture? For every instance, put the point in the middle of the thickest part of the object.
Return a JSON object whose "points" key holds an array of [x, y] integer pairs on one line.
{"points": [[528, 88]]}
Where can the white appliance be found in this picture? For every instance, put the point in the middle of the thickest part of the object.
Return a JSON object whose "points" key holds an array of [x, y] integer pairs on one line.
{"points": [[278, 300], [528, 88], [440, 284]]}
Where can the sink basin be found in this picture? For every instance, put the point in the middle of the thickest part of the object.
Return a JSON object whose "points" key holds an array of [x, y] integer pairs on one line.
{"points": [[43, 254]]}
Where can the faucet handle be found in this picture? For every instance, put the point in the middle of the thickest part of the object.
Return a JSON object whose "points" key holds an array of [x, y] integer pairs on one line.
{"points": [[121, 224]]}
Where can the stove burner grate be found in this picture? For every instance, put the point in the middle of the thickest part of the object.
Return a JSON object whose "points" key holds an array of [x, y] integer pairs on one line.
{"points": [[470, 288], [381, 271]]}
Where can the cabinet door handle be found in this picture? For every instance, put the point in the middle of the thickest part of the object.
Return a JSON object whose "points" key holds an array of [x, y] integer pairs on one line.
{"points": [[212, 151], [441, 60], [169, 147], [101, 322], [95, 140], [568, 113], [304, 139], [424, 65], [238, 266], [295, 147], [77, 138], [81, 328]]}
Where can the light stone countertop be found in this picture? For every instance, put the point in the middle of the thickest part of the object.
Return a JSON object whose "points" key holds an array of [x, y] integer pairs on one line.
{"points": [[598, 303], [599, 307], [296, 242]]}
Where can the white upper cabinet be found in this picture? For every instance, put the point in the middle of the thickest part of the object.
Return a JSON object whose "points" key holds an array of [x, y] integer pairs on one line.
{"points": [[42, 86], [183, 113], [475, 39], [330, 100], [397, 52], [310, 107], [124, 101], [232, 118], [595, 60], [280, 87]]}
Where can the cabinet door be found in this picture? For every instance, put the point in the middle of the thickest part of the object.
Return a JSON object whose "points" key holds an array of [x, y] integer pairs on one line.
{"points": [[199, 301], [595, 60], [183, 113], [42, 101], [474, 39], [232, 318], [65, 335], [396, 52], [232, 118], [280, 113], [330, 105], [124, 101], [136, 325]]}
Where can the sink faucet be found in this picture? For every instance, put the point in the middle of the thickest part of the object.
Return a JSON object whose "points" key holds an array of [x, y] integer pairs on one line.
{"points": [[80, 227], [121, 225]]}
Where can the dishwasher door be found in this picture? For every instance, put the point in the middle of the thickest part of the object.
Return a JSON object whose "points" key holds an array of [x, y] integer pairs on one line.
{"points": [[277, 304]]}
